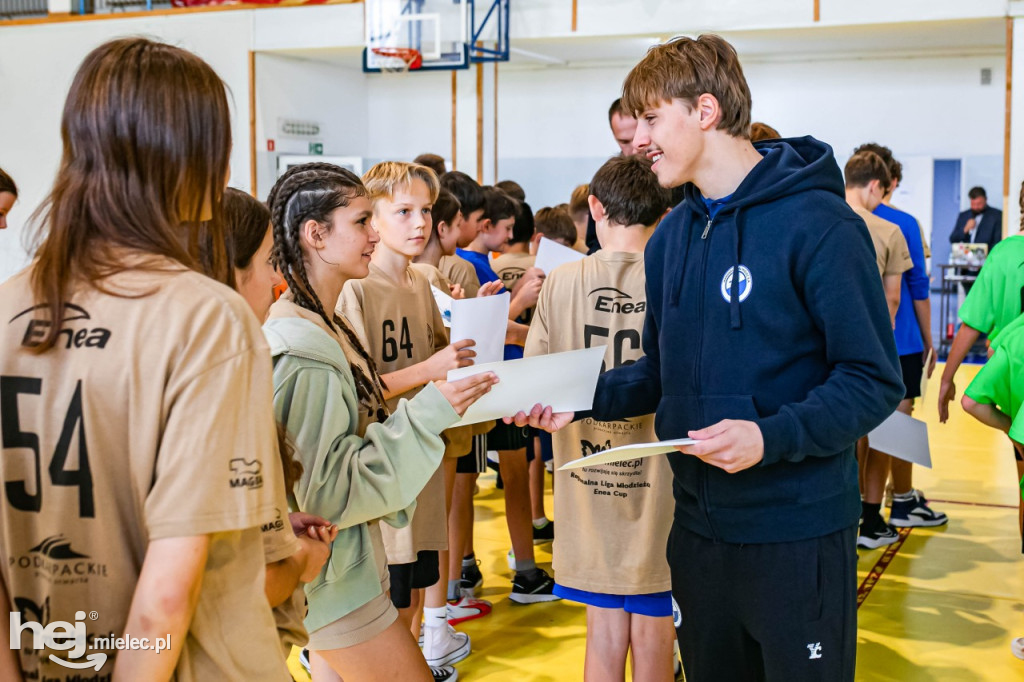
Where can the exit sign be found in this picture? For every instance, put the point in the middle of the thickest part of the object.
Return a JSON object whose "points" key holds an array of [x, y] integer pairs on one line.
{"points": [[316, 148]]}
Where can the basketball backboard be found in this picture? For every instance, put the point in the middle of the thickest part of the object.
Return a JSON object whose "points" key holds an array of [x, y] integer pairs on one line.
{"points": [[439, 30]]}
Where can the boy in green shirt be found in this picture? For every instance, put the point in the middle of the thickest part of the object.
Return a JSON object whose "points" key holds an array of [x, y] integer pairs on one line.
{"points": [[995, 300]]}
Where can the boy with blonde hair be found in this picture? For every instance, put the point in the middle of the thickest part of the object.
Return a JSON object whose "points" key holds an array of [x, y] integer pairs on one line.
{"points": [[393, 312], [609, 552]]}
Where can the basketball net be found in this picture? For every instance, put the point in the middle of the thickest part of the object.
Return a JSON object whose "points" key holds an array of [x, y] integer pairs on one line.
{"points": [[398, 59]]}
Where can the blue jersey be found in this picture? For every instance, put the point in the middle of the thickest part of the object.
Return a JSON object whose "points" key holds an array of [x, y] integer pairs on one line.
{"points": [[914, 285]]}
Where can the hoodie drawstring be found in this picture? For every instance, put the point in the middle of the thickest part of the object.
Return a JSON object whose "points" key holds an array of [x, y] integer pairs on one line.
{"points": [[735, 319]]}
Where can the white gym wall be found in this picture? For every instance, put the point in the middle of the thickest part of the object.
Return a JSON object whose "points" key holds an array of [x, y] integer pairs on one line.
{"points": [[841, 80]]}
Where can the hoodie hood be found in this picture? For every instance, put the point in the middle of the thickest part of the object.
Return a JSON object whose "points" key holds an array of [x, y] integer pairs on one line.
{"points": [[789, 167]]}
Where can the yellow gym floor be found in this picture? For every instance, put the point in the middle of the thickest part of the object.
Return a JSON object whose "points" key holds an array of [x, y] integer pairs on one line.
{"points": [[945, 607]]}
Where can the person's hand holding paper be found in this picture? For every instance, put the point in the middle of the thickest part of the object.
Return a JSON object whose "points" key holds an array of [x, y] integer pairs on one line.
{"points": [[731, 445], [541, 417]]}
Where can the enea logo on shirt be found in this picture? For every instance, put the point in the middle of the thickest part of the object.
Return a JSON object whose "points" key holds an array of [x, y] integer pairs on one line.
{"points": [[746, 284], [612, 300], [510, 276], [55, 561], [82, 337], [246, 474]]}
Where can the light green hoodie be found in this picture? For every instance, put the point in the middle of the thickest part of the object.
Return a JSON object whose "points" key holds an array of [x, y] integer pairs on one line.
{"points": [[348, 479]]}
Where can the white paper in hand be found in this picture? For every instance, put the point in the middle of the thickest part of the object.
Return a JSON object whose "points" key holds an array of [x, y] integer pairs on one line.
{"points": [[444, 304], [903, 437], [625, 453], [484, 320], [565, 382], [551, 254]]}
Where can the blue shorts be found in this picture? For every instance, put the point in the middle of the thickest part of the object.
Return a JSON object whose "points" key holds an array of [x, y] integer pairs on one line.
{"points": [[656, 605]]}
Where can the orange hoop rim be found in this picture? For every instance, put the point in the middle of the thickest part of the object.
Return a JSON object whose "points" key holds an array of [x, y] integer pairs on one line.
{"points": [[411, 56]]}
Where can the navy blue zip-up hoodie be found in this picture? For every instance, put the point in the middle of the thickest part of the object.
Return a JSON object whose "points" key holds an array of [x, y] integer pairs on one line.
{"points": [[772, 312]]}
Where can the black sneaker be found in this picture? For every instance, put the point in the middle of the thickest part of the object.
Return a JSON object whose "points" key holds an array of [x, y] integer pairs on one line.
{"points": [[912, 510], [881, 535], [537, 586], [471, 576], [304, 661], [444, 673], [545, 533]]}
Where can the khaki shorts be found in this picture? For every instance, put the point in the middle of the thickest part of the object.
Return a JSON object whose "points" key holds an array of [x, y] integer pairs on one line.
{"points": [[367, 621]]}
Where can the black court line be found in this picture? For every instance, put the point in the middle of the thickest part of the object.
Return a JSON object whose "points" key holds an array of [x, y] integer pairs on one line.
{"points": [[976, 504], [875, 574]]}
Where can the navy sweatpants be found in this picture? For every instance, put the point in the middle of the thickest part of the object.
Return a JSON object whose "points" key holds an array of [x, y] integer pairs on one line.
{"points": [[774, 612]]}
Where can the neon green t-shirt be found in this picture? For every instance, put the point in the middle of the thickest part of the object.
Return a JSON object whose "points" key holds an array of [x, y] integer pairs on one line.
{"points": [[1000, 381], [997, 297]]}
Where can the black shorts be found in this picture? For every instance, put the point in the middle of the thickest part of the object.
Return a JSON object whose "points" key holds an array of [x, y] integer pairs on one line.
{"points": [[508, 437], [408, 577], [775, 611], [912, 365], [474, 461]]}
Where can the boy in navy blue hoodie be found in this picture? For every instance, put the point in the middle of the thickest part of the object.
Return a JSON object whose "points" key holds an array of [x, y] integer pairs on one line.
{"points": [[768, 339]]}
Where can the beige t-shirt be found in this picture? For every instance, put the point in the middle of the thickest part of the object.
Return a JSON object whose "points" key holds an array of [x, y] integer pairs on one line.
{"points": [[279, 543], [457, 441], [613, 520], [510, 267], [152, 418], [460, 271], [399, 324], [891, 251]]}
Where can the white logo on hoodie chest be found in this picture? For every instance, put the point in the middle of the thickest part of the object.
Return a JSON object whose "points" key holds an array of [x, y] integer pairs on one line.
{"points": [[746, 284]]}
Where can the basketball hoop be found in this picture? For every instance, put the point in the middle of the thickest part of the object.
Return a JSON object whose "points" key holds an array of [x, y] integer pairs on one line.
{"points": [[398, 59]]}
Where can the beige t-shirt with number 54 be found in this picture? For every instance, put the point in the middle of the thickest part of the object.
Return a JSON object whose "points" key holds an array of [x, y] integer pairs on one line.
{"points": [[151, 419]]}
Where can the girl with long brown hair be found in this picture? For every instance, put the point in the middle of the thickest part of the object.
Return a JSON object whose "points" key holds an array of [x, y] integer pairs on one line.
{"points": [[139, 448], [361, 465]]}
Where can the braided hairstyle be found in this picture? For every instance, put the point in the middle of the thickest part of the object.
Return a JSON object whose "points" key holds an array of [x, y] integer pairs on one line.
{"points": [[312, 191]]}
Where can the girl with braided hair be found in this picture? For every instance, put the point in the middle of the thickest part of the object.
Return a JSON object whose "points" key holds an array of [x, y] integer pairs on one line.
{"points": [[361, 465]]}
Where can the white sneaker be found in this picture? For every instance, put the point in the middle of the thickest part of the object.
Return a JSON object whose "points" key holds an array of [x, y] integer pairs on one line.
{"points": [[511, 558], [444, 646]]}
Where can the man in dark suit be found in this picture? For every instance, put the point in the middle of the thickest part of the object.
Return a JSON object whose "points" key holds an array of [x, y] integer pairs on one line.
{"points": [[981, 224]]}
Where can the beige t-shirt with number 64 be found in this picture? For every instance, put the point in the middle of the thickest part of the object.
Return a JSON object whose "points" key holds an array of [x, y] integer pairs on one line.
{"points": [[151, 419], [399, 324]]}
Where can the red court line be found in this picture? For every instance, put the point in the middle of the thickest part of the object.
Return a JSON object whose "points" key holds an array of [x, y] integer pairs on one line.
{"points": [[975, 504], [873, 576]]}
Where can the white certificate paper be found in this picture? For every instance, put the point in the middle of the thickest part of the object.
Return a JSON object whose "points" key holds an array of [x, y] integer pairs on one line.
{"points": [[624, 453], [551, 254], [902, 437], [485, 321], [444, 304], [563, 381]]}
